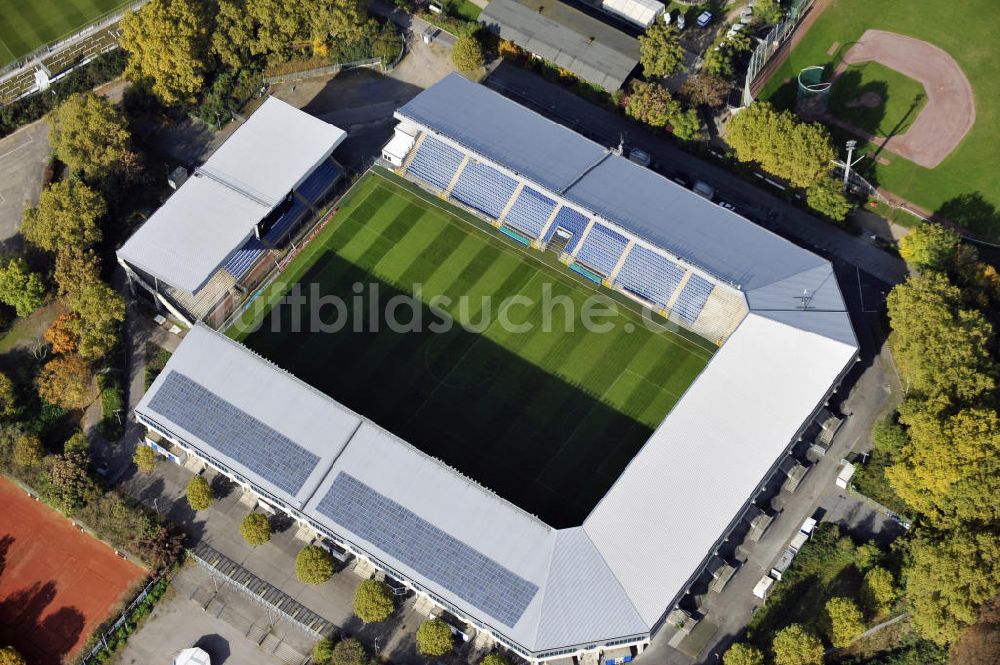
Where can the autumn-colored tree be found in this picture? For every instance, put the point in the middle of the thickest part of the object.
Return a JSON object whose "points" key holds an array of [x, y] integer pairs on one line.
{"points": [[743, 654], [20, 288], [467, 54], [826, 196], [198, 493], [61, 335], [168, 42], [794, 645], [313, 565], [66, 381], [941, 347], [651, 104], [144, 459], [66, 217], [74, 269], [797, 151], [10, 656], [8, 397], [929, 247], [497, 658], [77, 443], [980, 643], [70, 485], [434, 638], [255, 529], [947, 577], [27, 450], [703, 89], [660, 50], [88, 134], [843, 621], [373, 601], [878, 591], [349, 651], [100, 312]]}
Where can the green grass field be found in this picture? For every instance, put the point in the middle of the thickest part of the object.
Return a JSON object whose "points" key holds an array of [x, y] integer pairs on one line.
{"points": [[27, 24], [902, 99], [546, 418], [964, 187]]}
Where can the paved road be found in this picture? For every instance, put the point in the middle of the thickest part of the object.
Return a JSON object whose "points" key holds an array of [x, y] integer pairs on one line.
{"points": [[609, 128], [23, 156]]}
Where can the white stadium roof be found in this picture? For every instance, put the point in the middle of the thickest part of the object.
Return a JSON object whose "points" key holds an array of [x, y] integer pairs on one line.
{"points": [[545, 589], [215, 211]]}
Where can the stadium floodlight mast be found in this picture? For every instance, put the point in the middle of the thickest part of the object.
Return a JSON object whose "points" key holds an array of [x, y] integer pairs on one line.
{"points": [[851, 145]]}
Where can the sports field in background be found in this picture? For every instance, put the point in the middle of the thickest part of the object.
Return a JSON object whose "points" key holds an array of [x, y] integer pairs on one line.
{"points": [[57, 584], [547, 420], [27, 24], [964, 186]]}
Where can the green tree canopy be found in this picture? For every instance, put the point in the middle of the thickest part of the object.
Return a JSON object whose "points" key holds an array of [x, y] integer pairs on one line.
{"points": [[27, 450], [743, 654], [843, 621], [930, 247], [719, 59], [10, 656], [767, 11], [66, 381], [494, 658], [74, 269], [434, 638], [467, 54], [878, 591], [941, 347], [66, 217], [77, 443], [794, 645], [797, 151], [198, 493], [947, 578], [8, 398], [88, 134], [168, 43], [826, 196], [70, 486], [322, 652], [349, 651], [100, 312], [144, 459], [313, 565], [651, 104], [255, 529], [20, 288], [660, 50], [373, 601]]}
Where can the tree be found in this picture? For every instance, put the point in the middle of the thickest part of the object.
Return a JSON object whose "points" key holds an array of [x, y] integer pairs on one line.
{"points": [[743, 654], [61, 335], [826, 196], [949, 471], [467, 54], [434, 638], [866, 556], [843, 621], [20, 288], [947, 578], [77, 443], [651, 104], [322, 652], [8, 398], [27, 450], [313, 565], [686, 125], [497, 658], [88, 134], [373, 601], [660, 50], [167, 42], [199, 494], [799, 152], [349, 651], [703, 89], [930, 247], [66, 217], [145, 459], [794, 645], [767, 12], [66, 381], [10, 656], [878, 591], [70, 485], [74, 269], [255, 529], [719, 59], [100, 312], [941, 348]]}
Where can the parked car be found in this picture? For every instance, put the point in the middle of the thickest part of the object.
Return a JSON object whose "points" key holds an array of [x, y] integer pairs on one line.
{"points": [[640, 157]]}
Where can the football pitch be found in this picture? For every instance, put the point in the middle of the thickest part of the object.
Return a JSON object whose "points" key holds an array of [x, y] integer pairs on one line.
{"points": [[27, 24], [526, 400]]}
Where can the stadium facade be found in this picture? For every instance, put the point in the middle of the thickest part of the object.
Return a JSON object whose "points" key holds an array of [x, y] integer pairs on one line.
{"points": [[786, 343], [244, 201]]}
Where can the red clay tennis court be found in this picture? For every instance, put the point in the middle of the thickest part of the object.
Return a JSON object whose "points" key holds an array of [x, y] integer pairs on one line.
{"points": [[57, 584]]}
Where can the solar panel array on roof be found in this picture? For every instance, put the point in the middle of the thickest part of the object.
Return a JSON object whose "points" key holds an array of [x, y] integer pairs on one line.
{"points": [[415, 542], [234, 432]]}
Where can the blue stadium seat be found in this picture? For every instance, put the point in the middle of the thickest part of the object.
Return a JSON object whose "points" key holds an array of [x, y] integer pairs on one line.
{"points": [[530, 212], [571, 220], [240, 263], [285, 222], [435, 162], [693, 298], [484, 188], [649, 275], [602, 249], [319, 181]]}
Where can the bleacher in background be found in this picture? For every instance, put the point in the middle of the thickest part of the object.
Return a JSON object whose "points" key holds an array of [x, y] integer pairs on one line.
{"points": [[319, 182], [692, 298], [601, 249], [244, 258], [435, 163], [291, 215], [484, 188]]}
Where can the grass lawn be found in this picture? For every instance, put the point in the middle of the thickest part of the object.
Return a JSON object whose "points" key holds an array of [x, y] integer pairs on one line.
{"points": [[547, 417], [964, 187], [464, 9], [27, 24], [901, 97]]}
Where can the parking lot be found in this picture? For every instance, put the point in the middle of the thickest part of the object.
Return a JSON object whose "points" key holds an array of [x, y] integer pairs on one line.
{"points": [[23, 156]]}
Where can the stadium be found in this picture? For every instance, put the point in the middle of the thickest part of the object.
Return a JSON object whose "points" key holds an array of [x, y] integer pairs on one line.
{"points": [[678, 459]]}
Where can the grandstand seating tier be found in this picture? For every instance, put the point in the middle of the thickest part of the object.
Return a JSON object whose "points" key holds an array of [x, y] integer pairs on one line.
{"points": [[244, 258], [484, 188], [319, 181], [530, 212], [435, 162], [285, 222], [649, 275], [601, 249], [570, 220], [692, 298]]}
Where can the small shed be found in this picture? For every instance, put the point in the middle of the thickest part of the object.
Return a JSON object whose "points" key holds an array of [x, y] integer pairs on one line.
{"points": [[643, 13]]}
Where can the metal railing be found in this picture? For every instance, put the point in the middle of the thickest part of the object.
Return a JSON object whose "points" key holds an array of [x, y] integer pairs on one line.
{"points": [[102, 641], [769, 45]]}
